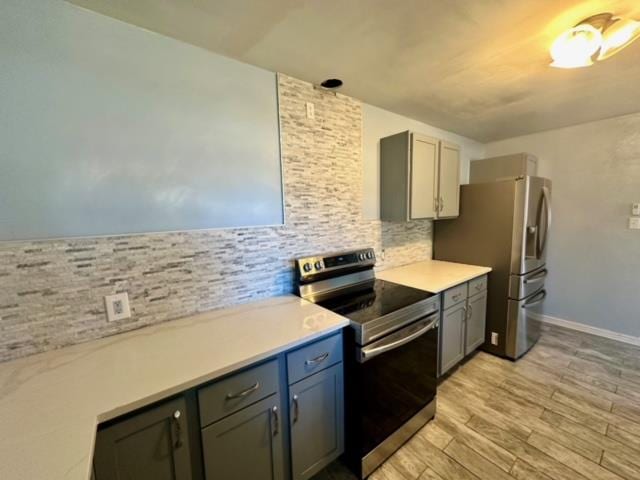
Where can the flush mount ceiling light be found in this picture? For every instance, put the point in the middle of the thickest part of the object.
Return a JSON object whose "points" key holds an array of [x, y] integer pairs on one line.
{"points": [[595, 38]]}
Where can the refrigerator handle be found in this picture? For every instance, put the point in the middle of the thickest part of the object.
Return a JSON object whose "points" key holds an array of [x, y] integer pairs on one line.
{"points": [[547, 203], [535, 300], [542, 239]]}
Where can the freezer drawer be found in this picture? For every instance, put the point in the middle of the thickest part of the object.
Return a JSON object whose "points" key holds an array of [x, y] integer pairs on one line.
{"points": [[523, 286], [523, 323]]}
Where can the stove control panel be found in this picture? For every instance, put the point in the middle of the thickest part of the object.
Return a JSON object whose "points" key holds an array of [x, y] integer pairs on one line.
{"points": [[335, 262]]}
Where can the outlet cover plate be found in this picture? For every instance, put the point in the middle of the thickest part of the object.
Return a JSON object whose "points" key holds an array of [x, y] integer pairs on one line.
{"points": [[634, 223], [117, 307]]}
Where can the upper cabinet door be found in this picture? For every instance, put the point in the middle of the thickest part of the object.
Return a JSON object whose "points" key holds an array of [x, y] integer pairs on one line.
{"points": [[449, 187], [424, 174]]}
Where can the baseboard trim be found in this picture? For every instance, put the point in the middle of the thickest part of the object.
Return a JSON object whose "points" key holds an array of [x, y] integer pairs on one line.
{"points": [[581, 327]]}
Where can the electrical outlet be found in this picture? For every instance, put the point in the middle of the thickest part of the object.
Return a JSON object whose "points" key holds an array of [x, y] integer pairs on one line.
{"points": [[117, 307], [634, 223], [311, 111], [494, 338]]}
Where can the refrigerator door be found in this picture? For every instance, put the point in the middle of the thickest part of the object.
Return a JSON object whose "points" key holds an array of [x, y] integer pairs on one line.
{"points": [[522, 286], [523, 324], [532, 219]]}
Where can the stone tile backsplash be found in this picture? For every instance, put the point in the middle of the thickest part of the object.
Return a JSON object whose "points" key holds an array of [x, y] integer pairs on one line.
{"points": [[51, 292]]}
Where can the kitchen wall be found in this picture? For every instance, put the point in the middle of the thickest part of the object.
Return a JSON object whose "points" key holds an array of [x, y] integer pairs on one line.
{"points": [[594, 259], [51, 292], [378, 123]]}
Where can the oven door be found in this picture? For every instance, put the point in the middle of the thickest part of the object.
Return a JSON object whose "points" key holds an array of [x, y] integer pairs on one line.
{"points": [[396, 383]]}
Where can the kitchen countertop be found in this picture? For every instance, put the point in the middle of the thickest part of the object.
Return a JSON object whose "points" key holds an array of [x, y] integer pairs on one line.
{"points": [[432, 276], [51, 403]]}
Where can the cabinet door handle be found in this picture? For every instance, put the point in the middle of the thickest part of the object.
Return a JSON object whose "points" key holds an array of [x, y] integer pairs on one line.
{"points": [[244, 393], [456, 297], [441, 203], [296, 408], [176, 421], [318, 359], [276, 420], [469, 312], [436, 204]]}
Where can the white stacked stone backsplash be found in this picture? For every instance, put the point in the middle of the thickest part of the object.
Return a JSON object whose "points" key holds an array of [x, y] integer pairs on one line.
{"points": [[51, 292]]}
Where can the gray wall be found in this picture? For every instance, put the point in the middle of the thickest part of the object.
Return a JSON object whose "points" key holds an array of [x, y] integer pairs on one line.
{"points": [[594, 260], [51, 292], [110, 129], [378, 123]]}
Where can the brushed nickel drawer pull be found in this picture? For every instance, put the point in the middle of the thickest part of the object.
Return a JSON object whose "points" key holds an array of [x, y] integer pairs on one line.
{"points": [[276, 421], [244, 393], [296, 408], [176, 420], [318, 359]]}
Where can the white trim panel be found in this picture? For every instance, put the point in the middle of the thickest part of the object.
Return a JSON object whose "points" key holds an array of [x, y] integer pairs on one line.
{"points": [[581, 327]]}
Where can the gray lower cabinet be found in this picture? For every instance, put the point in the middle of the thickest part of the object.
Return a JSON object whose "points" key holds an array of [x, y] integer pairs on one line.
{"points": [[238, 429], [317, 421], [476, 321], [452, 336], [246, 444], [151, 445], [462, 329]]}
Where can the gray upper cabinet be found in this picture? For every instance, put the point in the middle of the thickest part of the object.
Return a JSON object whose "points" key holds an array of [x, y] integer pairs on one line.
{"points": [[452, 340], [151, 445], [247, 444], [316, 418], [476, 321], [423, 175], [419, 177], [449, 181]]}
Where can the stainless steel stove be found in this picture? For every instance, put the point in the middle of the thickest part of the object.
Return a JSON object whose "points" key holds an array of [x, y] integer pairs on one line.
{"points": [[391, 352]]}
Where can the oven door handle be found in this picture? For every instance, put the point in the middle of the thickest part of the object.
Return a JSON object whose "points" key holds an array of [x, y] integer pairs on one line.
{"points": [[368, 353]]}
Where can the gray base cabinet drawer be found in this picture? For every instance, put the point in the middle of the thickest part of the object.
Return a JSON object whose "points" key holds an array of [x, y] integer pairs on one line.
{"points": [[238, 391], [313, 358], [317, 421], [477, 285], [454, 296], [151, 445], [246, 445]]}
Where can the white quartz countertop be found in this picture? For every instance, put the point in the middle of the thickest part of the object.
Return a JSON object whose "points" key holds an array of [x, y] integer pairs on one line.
{"points": [[50, 404], [432, 275]]}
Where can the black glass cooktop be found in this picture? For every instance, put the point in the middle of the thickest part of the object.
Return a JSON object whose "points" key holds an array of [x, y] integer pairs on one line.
{"points": [[374, 301]]}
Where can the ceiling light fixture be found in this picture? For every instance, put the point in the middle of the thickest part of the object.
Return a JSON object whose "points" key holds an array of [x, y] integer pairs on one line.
{"points": [[595, 38]]}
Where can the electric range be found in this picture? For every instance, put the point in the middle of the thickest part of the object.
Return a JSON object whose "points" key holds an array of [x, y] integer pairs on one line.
{"points": [[391, 352]]}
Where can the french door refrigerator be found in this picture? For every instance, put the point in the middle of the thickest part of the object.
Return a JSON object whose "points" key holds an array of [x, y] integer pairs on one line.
{"points": [[504, 225]]}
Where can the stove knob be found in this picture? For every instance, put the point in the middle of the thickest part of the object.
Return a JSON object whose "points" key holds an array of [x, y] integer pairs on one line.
{"points": [[361, 256], [307, 267], [369, 254], [318, 265]]}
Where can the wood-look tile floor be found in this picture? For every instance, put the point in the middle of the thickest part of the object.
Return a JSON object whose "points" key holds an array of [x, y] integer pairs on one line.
{"points": [[568, 410]]}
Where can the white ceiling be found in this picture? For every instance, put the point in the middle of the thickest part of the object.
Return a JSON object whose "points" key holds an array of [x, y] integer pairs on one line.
{"points": [[475, 67]]}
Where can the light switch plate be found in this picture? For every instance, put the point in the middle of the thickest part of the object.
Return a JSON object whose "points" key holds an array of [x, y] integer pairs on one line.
{"points": [[635, 209], [117, 307], [634, 223], [311, 111]]}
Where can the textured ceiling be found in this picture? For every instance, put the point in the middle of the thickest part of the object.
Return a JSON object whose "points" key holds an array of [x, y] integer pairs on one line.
{"points": [[475, 67]]}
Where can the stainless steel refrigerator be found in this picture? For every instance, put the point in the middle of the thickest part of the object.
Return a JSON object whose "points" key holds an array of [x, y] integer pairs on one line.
{"points": [[504, 225]]}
